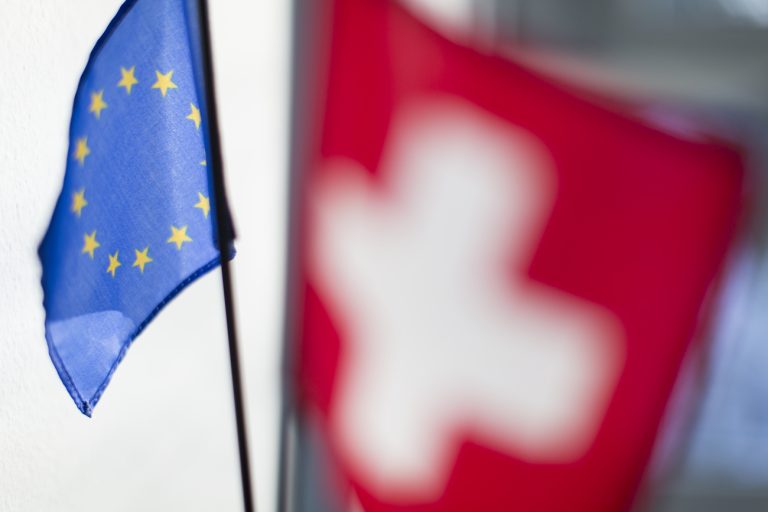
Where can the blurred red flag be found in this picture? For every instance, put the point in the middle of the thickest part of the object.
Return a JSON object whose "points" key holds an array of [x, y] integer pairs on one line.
{"points": [[499, 277]]}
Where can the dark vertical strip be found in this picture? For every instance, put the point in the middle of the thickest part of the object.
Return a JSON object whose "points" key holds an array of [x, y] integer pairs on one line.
{"points": [[303, 87], [523, 11], [287, 435], [225, 235]]}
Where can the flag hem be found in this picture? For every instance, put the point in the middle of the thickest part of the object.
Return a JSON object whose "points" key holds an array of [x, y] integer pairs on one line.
{"points": [[86, 406]]}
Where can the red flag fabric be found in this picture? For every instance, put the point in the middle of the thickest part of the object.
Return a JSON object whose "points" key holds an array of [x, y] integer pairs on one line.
{"points": [[499, 278]]}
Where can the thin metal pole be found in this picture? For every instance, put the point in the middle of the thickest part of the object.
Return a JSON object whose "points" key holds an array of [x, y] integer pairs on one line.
{"points": [[225, 236], [287, 419], [305, 19]]}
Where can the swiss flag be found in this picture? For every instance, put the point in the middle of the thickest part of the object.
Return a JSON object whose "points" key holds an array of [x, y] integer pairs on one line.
{"points": [[498, 278]]}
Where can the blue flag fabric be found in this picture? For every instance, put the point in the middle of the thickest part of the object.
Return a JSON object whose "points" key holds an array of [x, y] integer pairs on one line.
{"points": [[134, 222]]}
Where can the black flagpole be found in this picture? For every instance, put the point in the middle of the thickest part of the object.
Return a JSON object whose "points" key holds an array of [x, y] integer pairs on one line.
{"points": [[225, 237]]}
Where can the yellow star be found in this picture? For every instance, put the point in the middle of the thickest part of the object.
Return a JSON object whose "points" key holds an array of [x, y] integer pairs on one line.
{"points": [[128, 79], [97, 103], [178, 237], [113, 264], [79, 202], [82, 150], [194, 116], [90, 244], [204, 204], [142, 258], [164, 82], [203, 163]]}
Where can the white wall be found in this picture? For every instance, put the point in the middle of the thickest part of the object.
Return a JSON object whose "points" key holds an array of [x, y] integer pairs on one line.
{"points": [[163, 436]]}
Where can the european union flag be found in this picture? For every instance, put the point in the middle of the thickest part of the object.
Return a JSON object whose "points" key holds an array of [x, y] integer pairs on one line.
{"points": [[134, 222]]}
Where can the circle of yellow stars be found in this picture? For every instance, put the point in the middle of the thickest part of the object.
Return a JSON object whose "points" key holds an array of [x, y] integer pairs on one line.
{"points": [[98, 105]]}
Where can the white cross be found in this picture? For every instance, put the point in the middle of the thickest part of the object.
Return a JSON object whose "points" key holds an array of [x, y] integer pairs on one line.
{"points": [[445, 337]]}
